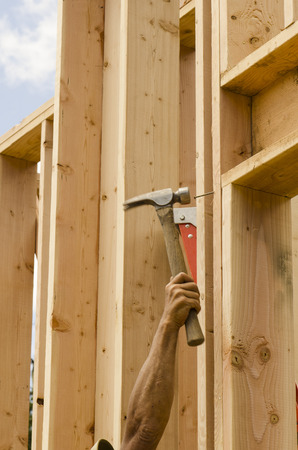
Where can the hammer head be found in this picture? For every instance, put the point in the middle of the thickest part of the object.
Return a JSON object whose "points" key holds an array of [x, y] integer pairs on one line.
{"points": [[160, 199]]}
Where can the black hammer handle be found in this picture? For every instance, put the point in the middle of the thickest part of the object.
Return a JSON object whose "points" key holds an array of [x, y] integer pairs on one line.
{"points": [[194, 332]]}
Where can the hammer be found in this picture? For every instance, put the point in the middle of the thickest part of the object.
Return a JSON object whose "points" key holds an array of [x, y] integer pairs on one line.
{"points": [[163, 201]]}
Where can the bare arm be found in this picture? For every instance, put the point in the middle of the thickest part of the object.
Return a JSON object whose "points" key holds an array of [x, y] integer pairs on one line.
{"points": [[151, 399]]}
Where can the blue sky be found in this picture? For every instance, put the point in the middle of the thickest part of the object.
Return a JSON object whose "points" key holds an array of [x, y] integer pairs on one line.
{"points": [[27, 57]]}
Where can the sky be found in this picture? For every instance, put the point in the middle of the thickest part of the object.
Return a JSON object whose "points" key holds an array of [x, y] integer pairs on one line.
{"points": [[28, 31]]}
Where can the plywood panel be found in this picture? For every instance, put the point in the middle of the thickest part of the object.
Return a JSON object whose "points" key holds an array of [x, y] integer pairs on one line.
{"points": [[246, 26], [273, 114], [17, 231], [258, 344], [73, 266], [43, 239]]}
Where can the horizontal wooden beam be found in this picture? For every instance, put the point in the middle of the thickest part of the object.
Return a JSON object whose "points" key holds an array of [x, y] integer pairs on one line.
{"points": [[265, 65], [23, 140], [187, 25], [272, 170]]}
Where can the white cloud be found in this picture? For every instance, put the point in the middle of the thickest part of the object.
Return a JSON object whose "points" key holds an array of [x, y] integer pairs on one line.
{"points": [[28, 44]]}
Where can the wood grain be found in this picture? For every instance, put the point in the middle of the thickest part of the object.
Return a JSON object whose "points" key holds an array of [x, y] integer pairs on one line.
{"points": [[264, 66], [258, 344], [294, 205], [272, 170], [23, 140], [73, 264], [17, 230], [204, 183], [187, 357], [273, 115], [246, 26], [46, 149]]}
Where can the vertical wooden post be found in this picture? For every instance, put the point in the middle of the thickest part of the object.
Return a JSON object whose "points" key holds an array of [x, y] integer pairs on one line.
{"points": [[204, 184], [17, 231], [294, 205], [258, 344], [187, 356], [42, 280], [73, 267], [147, 158]]}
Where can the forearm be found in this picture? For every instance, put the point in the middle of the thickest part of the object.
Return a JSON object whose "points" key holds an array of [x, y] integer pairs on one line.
{"points": [[152, 397]]}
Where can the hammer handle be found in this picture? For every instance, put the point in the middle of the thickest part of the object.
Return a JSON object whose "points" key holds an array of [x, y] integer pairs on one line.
{"points": [[194, 332]]}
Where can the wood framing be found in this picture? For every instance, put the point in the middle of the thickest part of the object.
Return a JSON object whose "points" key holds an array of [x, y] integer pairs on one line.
{"points": [[69, 397], [204, 184], [43, 249], [187, 358], [145, 158], [17, 230], [258, 345], [115, 129], [23, 140]]}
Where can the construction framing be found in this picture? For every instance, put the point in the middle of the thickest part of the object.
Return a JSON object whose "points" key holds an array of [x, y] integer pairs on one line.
{"points": [[146, 100]]}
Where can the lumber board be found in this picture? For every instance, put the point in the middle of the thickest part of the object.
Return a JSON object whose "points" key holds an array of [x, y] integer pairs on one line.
{"points": [[23, 140], [43, 238], [69, 393], [272, 170], [231, 145], [258, 344], [246, 25], [294, 205], [107, 404], [204, 183], [187, 24], [183, 3], [17, 231], [273, 114], [148, 160], [265, 65], [187, 358]]}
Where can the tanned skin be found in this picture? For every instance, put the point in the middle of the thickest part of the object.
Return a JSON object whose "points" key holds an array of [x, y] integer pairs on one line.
{"points": [[152, 397]]}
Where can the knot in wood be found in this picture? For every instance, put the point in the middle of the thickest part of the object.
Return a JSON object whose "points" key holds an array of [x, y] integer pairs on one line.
{"points": [[265, 354], [274, 419], [237, 360]]}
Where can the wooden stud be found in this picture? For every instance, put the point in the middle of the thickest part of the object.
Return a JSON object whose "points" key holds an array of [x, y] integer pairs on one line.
{"points": [[187, 356], [273, 115], [246, 26], [106, 404], [69, 399], [147, 159], [23, 140], [231, 145], [272, 170], [187, 25], [204, 184], [42, 280], [265, 65], [17, 230], [294, 205], [258, 344]]}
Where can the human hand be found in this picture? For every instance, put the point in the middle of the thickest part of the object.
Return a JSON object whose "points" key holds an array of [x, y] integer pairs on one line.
{"points": [[181, 295]]}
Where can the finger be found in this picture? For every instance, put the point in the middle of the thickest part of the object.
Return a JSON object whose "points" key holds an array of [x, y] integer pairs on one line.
{"points": [[190, 286], [192, 304], [182, 278]]}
